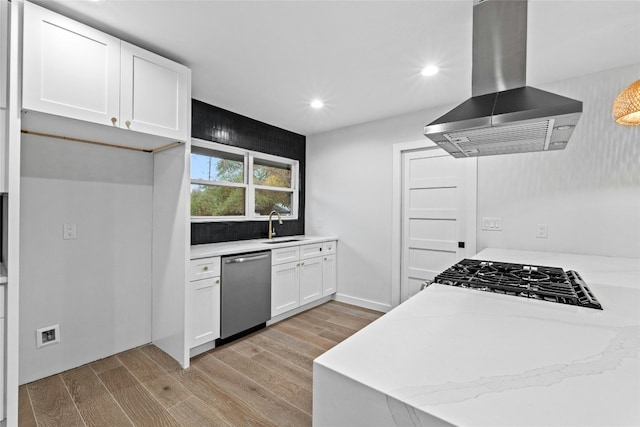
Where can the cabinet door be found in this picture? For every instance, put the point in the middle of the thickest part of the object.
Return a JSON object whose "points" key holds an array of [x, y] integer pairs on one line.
{"points": [[204, 298], [154, 97], [329, 277], [285, 287], [69, 69], [310, 280]]}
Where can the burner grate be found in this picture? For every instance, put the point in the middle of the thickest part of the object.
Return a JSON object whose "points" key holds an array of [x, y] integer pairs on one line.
{"points": [[536, 282]]}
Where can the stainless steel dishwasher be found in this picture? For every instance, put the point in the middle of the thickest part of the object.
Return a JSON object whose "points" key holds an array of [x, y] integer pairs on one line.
{"points": [[245, 300]]}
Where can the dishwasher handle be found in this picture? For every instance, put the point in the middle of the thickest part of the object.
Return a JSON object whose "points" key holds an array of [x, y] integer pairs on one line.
{"points": [[246, 258]]}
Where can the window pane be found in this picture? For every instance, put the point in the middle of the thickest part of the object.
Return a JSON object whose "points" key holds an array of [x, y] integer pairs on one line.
{"points": [[271, 173], [216, 166], [210, 200], [267, 200]]}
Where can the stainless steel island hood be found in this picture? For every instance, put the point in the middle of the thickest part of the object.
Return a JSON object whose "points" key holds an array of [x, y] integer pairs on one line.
{"points": [[504, 116]]}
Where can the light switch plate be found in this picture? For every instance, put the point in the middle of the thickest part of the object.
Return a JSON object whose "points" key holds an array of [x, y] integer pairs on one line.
{"points": [[491, 223], [69, 231], [542, 231]]}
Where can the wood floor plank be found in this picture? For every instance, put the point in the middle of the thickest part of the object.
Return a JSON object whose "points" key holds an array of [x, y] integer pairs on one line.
{"points": [[342, 308], [96, 405], [262, 400], [334, 336], [350, 322], [193, 412], [233, 410], [166, 389], [294, 356], [304, 335], [105, 364], [300, 322], [291, 371], [135, 400], [140, 365], [26, 417], [268, 378], [293, 342], [52, 403], [332, 326], [165, 361]]}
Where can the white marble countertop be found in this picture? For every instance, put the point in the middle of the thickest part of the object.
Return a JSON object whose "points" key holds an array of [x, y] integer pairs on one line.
{"points": [[473, 358], [240, 246]]}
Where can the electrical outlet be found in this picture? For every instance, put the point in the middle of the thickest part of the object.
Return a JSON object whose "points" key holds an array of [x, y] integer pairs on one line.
{"points": [[491, 224], [47, 336], [69, 231], [542, 231]]}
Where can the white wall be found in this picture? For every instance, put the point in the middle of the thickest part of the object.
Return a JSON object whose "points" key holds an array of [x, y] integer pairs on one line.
{"points": [[588, 194], [97, 287], [349, 189]]}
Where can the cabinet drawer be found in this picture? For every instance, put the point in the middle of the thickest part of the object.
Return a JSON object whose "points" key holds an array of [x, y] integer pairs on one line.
{"points": [[310, 251], [204, 268], [282, 255], [329, 248]]}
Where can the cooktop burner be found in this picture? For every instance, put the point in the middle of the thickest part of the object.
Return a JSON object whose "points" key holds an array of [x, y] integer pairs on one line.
{"points": [[529, 281]]}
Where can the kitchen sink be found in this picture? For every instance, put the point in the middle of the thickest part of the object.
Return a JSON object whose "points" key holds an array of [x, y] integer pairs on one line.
{"points": [[272, 242]]}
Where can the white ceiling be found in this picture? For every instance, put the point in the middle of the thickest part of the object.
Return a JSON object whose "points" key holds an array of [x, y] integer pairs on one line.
{"points": [[268, 59]]}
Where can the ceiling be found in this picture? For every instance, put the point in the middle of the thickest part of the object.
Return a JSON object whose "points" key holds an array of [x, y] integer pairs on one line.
{"points": [[268, 59]]}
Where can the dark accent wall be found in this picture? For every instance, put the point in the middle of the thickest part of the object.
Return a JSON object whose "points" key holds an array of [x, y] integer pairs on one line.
{"points": [[211, 123]]}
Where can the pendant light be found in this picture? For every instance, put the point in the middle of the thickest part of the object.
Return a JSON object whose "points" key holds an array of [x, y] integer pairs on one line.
{"points": [[626, 107]]}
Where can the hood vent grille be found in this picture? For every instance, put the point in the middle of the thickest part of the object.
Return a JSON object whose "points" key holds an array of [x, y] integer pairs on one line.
{"points": [[504, 139], [503, 116]]}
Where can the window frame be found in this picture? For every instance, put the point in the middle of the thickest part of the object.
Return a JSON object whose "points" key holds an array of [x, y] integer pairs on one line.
{"points": [[248, 162]]}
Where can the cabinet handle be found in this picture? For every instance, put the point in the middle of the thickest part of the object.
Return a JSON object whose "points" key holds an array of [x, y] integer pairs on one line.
{"points": [[206, 267], [217, 281], [128, 124], [325, 258], [302, 263], [113, 120]]}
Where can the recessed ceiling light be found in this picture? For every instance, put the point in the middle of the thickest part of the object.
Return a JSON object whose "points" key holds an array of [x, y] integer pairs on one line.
{"points": [[316, 103], [429, 70]]}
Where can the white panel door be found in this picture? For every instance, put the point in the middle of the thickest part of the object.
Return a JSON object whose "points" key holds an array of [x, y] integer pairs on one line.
{"points": [[285, 288], [310, 280], [154, 96], [204, 297], [438, 215], [69, 69], [329, 277]]}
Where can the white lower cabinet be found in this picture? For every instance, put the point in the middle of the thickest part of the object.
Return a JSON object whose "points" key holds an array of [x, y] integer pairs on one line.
{"points": [[308, 278], [203, 293], [329, 276], [285, 282]]}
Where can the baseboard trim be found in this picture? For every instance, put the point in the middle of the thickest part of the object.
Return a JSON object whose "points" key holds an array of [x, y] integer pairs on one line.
{"points": [[361, 302]]}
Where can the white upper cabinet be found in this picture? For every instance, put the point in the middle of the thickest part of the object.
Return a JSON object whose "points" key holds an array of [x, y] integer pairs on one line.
{"points": [[154, 95], [75, 71], [69, 69]]}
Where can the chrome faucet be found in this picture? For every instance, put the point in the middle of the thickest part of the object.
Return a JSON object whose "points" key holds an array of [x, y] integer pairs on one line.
{"points": [[272, 232]]}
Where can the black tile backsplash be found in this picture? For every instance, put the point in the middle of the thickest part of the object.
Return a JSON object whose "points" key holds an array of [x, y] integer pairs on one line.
{"points": [[211, 123]]}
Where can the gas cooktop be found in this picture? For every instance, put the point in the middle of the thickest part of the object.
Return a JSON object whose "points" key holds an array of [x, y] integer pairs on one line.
{"points": [[529, 281]]}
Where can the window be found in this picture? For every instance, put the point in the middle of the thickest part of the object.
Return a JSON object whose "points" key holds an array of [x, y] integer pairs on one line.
{"points": [[228, 183]]}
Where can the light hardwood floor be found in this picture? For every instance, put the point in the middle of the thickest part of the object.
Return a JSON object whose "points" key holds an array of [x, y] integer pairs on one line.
{"points": [[263, 379]]}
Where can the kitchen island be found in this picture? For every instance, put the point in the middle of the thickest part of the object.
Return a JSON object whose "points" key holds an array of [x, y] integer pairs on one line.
{"points": [[456, 356]]}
